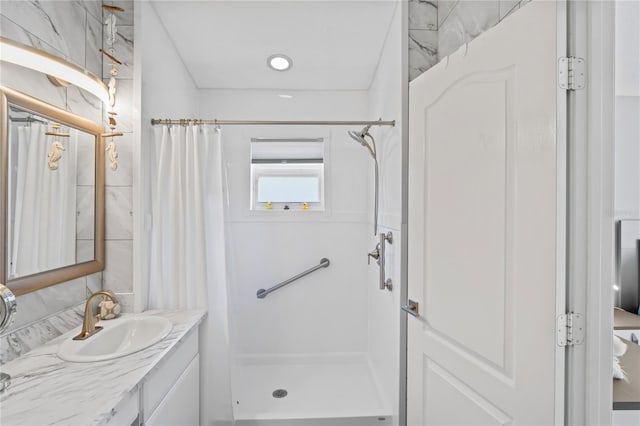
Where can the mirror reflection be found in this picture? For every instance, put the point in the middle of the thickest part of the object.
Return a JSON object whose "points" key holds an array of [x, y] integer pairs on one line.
{"points": [[50, 194]]}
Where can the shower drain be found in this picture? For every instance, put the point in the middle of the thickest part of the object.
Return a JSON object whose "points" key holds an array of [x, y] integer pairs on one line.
{"points": [[280, 393]]}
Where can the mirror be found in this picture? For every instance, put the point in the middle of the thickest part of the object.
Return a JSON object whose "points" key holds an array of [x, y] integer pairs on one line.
{"points": [[52, 204]]}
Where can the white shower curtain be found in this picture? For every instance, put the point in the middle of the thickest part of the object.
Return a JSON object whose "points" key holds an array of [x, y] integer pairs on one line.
{"points": [[188, 261], [42, 203], [187, 242]]}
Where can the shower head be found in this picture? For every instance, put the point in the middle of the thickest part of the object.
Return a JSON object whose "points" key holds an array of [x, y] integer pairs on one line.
{"points": [[360, 138]]}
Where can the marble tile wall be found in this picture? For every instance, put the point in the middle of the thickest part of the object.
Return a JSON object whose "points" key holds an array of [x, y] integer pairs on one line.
{"points": [[438, 28], [423, 36], [21, 341], [118, 274], [45, 314], [73, 30]]}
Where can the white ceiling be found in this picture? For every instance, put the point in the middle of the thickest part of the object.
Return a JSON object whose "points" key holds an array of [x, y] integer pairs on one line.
{"points": [[335, 45]]}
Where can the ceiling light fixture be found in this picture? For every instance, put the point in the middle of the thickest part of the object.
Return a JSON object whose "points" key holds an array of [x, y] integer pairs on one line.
{"points": [[279, 62], [57, 68]]}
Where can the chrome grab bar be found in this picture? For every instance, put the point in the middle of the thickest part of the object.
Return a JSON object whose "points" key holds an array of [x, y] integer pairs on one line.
{"points": [[262, 293], [384, 239]]}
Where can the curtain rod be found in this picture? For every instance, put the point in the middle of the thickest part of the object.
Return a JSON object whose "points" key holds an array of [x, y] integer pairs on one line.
{"points": [[155, 121]]}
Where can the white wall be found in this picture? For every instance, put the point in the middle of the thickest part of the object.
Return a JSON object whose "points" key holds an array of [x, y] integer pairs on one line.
{"points": [[627, 83], [324, 312], [385, 101], [627, 157], [627, 48]]}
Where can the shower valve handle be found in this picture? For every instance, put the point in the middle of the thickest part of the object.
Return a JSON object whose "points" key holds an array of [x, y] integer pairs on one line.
{"points": [[375, 253]]}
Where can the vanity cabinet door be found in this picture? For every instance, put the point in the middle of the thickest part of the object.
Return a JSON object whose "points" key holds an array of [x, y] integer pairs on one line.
{"points": [[168, 373], [181, 406]]}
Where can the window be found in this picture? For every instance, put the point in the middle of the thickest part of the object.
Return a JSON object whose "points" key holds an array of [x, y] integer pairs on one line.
{"points": [[287, 174]]}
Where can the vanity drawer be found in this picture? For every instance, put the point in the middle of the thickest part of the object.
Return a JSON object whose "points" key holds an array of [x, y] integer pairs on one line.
{"points": [[126, 413], [168, 372]]}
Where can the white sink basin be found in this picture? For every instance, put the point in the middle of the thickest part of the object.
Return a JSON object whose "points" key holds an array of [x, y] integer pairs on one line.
{"points": [[119, 337]]}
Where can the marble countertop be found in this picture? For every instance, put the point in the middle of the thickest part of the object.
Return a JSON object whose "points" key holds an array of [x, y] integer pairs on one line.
{"points": [[46, 390]]}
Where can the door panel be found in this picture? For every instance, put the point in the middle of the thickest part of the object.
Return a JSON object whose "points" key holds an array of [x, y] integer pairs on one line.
{"points": [[444, 391], [474, 199], [483, 221]]}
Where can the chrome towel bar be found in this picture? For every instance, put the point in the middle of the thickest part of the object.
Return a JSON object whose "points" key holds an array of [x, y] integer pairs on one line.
{"points": [[262, 293]]}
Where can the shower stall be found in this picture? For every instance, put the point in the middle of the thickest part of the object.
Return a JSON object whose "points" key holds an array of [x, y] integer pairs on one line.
{"points": [[325, 348], [322, 349], [306, 347]]}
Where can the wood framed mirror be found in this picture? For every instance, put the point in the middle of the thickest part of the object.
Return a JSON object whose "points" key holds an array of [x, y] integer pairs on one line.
{"points": [[52, 199]]}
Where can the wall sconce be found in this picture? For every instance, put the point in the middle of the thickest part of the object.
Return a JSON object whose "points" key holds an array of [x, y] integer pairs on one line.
{"points": [[54, 67]]}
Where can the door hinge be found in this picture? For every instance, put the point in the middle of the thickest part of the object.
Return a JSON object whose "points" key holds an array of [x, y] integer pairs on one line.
{"points": [[570, 329], [571, 73]]}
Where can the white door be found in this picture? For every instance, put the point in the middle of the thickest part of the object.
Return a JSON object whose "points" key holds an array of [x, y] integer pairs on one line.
{"points": [[486, 221]]}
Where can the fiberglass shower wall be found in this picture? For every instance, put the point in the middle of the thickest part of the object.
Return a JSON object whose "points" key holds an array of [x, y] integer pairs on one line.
{"points": [[385, 98], [324, 312]]}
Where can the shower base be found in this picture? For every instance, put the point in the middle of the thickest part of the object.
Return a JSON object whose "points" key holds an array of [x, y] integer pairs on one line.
{"points": [[321, 390]]}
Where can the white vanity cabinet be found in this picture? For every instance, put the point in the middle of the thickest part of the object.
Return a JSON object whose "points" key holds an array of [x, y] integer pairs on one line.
{"points": [[158, 385], [170, 396], [181, 405]]}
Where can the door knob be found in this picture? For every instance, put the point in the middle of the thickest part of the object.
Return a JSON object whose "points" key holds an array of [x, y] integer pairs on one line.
{"points": [[412, 308]]}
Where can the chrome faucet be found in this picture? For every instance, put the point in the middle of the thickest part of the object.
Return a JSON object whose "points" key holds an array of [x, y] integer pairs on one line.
{"points": [[89, 327]]}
